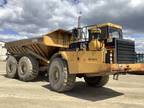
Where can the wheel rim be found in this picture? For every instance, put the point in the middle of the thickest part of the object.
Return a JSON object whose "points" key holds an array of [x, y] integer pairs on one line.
{"points": [[56, 74], [11, 67], [23, 68]]}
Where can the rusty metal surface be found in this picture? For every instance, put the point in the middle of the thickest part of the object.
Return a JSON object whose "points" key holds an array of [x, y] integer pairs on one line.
{"points": [[130, 68]]}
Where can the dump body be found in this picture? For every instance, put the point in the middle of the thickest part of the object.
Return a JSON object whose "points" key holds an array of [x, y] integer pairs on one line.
{"points": [[44, 46]]}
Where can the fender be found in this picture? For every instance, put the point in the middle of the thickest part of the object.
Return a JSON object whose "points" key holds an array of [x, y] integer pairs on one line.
{"points": [[63, 55]]}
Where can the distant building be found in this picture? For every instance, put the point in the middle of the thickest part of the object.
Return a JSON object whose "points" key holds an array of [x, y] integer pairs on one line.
{"points": [[3, 52]]}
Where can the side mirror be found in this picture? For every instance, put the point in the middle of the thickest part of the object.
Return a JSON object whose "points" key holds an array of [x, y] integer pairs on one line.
{"points": [[77, 34]]}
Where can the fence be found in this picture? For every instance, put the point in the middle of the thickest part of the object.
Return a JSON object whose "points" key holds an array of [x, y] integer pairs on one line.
{"points": [[140, 57]]}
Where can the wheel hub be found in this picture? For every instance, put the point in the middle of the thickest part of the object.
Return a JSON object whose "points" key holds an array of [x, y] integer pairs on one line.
{"points": [[56, 74], [23, 68]]}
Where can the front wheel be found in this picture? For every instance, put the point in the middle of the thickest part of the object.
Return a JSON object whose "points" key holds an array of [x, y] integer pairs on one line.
{"points": [[59, 77], [97, 81]]}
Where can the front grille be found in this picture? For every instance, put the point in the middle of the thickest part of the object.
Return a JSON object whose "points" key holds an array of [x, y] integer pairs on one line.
{"points": [[125, 51]]}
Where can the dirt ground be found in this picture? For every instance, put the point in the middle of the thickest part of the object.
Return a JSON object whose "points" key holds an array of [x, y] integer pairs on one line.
{"points": [[127, 92]]}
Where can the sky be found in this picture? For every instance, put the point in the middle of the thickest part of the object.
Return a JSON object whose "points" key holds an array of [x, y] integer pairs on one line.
{"points": [[29, 18]]}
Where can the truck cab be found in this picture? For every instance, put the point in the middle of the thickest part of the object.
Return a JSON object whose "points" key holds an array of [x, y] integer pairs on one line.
{"points": [[110, 30], [123, 50], [118, 49]]}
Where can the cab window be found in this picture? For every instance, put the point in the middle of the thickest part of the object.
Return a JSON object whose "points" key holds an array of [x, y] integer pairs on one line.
{"points": [[115, 33]]}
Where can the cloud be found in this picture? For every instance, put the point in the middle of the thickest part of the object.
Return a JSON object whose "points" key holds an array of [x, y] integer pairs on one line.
{"points": [[36, 17], [3, 2], [39, 16], [11, 37], [128, 13]]}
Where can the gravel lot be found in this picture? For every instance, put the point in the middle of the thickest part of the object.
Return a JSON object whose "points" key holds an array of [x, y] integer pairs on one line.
{"points": [[127, 92]]}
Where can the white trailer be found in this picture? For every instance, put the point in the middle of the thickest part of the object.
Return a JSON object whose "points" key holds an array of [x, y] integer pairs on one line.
{"points": [[3, 52]]}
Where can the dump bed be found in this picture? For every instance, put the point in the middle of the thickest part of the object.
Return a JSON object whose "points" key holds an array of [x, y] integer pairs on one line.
{"points": [[44, 46]]}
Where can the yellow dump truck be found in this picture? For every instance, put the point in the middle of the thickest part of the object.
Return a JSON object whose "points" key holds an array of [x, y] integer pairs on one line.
{"points": [[93, 52]]}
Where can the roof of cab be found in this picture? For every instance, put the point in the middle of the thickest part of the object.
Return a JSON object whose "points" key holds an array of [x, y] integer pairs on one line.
{"points": [[106, 24], [110, 24]]}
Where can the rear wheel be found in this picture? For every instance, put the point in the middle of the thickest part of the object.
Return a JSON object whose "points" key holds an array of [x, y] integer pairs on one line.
{"points": [[59, 78], [97, 81], [11, 67], [28, 68]]}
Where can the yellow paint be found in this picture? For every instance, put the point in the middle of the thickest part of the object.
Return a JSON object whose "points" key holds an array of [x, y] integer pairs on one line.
{"points": [[59, 38], [85, 61], [136, 67], [108, 24], [95, 44], [52, 42]]}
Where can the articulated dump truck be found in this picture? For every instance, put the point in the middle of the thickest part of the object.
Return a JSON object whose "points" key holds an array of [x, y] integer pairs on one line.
{"points": [[92, 52]]}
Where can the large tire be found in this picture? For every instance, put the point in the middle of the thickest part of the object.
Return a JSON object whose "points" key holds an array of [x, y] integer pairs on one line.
{"points": [[59, 77], [28, 68], [97, 81], [11, 67]]}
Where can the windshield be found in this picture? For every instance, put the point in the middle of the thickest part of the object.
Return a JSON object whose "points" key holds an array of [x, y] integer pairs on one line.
{"points": [[115, 33]]}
